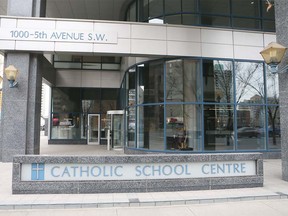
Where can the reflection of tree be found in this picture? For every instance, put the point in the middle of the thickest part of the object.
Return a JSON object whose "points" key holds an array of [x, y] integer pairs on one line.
{"points": [[86, 106], [249, 77]]}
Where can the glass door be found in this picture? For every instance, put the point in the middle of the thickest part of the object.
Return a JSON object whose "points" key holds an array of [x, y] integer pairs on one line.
{"points": [[117, 131], [93, 129]]}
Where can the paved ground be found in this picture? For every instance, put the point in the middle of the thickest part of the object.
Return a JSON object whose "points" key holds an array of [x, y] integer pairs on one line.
{"points": [[272, 199]]}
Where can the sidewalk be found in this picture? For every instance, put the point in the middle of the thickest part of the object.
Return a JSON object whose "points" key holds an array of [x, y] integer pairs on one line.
{"points": [[274, 188]]}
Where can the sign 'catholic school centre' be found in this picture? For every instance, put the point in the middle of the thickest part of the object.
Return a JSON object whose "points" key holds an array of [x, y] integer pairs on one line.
{"points": [[135, 173]]}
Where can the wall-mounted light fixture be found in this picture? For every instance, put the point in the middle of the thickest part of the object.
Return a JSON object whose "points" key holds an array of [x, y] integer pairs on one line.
{"points": [[273, 55], [11, 73]]}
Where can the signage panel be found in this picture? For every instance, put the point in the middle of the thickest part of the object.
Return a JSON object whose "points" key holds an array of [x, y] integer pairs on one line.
{"points": [[84, 172], [57, 35]]}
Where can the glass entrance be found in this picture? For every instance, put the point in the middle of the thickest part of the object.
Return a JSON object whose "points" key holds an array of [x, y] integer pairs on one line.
{"points": [[93, 129], [116, 127]]}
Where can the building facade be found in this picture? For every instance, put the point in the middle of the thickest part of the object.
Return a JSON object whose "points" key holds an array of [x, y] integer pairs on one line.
{"points": [[186, 74]]}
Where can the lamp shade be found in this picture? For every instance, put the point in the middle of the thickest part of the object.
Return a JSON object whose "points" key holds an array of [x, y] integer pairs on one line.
{"points": [[273, 53], [11, 72]]}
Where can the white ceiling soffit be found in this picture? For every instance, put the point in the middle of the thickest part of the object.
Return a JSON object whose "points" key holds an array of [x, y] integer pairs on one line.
{"points": [[87, 9], [82, 9]]}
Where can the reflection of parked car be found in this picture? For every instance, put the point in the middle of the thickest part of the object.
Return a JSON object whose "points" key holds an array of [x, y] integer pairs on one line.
{"points": [[248, 132]]}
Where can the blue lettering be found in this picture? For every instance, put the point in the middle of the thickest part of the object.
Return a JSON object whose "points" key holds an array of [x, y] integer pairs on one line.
{"points": [[203, 169], [116, 171], [181, 170], [52, 171], [167, 170], [66, 172], [138, 170], [84, 171], [144, 170], [236, 168], [213, 168], [98, 171], [243, 168], [186, 170], [100, 37], [156, 170], [74, 170]]}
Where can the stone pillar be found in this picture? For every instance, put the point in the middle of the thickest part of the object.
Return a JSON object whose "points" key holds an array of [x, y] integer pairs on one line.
{"points": [[21, 106], [281, 19]]}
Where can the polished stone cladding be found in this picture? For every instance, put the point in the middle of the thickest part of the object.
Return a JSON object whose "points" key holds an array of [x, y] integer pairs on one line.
{"points": [[139, 185]]}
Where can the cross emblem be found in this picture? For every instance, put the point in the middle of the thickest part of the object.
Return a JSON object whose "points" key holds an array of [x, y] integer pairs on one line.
{"points": [[37, 171]]}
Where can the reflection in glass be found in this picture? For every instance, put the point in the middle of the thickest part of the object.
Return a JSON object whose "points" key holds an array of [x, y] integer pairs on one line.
{"points": [[274, 132], [251, 131], [272, 88], [183, 127], [218, 81], [131, 127], [155, 8], [215, 7], [182, 81], [218, 127], [150, 134], [172, 6], [151, 83], [249, 82], [219, 21], [246, 8]]}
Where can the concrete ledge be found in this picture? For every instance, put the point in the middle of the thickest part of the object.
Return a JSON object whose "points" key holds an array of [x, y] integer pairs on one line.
{"points": [[185, 183]]}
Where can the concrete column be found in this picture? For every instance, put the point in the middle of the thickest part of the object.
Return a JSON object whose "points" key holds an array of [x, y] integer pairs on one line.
{"points": [[281, 19], [21, 107]]}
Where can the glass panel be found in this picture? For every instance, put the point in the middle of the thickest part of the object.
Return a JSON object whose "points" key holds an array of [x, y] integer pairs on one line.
{"points": [[246, 8], [272, 88], [65, 100], [111, 66], [251, 133], [172, 6], [218, 81], [183, 127], [132, 12], [150, 127], [268, 13], [215, 7], [218, 127], [96, 59], [173, 19], [150, 133], [131, 126], [91, 100], [190, 19], [66, 126], [246, 23], [155, 8], [274, 132], [67, 65], [182, 81], [215, 21], [95, 66], [150, 89], [143, 10], [249, 82], [268, 25], [189, 6], [94, 129], [117, 131]]}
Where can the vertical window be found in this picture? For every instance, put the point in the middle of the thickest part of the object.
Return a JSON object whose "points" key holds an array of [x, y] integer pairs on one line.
{"points": [[218, 81], [218, 127], [189, 6], [172, 6], [182, 81], [143, 10], [183, 127], [156, 8], [215, 7], [151, 82], [150, 133], [249, 82], [246, 8], [251, 132]]}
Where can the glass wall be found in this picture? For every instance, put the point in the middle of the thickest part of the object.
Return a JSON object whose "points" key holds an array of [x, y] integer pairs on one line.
{"points": [[238, 14], [70, 109], [202, 105]]}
